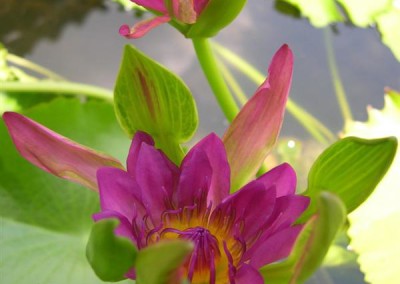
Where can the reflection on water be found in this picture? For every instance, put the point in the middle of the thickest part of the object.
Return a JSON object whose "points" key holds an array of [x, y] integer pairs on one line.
{"points": [[25, 22]]}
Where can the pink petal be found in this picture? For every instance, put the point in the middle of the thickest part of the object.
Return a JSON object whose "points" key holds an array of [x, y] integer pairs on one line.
{"points": [[255, 129], [276, 247], [252, 206], [195, 180], [220, 179], [143, 27], [156, 181], [282, 177], [55, 153], [139, 138], [199, 6], [119, 192], [248, 274], [156, 5], [287, 210]]}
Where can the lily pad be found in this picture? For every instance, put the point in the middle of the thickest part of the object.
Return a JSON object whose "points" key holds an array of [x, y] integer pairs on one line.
{"points": [[374, 226]]}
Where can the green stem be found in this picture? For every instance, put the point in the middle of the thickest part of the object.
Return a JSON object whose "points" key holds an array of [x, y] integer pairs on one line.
{"points": [[232, 83], [62, 88], [33, 67], [316, 128], [214, 76], [337, 82]]}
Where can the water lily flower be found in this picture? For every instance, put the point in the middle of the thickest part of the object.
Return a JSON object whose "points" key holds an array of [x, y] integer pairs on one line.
{"points": [[233, 235], [217, 14], [154, 199], [182, 10]]}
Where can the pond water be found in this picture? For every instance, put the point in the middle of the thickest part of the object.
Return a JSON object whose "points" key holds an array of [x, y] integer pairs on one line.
{"points": [[80, 41]]}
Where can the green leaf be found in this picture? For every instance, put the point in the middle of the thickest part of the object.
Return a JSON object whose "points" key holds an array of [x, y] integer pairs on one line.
{"points": [[319, 12], [312, 244], [351, 168], [45, 221], [374, 229], [150, 98], [385, 14], [156, 264], [389, 27], [363, 12], [111, 257], [216, 15]]}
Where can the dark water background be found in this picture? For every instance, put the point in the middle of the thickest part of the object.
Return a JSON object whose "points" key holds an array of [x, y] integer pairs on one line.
{"points": [[79, 40]]}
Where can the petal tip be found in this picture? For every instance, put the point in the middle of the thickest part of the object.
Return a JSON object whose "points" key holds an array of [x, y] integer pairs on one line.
{"points": [[124, 30]]}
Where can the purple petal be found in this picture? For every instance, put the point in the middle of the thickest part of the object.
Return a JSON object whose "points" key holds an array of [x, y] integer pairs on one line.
{"points": [[287, 210], [248, 274], [119, 192], [139, 138], [55, 153], [143, 27], [276, 247], [156, 181], [220, 179], [252, 206], [282, 177], [195, 179], [124, 228], [255, 129]]}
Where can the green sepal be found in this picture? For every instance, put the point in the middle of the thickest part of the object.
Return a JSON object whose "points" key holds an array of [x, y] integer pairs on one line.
{"points": [[351, 168], [215, 16], [110, 256], [150, 98], [312, 244], [158, 263]]}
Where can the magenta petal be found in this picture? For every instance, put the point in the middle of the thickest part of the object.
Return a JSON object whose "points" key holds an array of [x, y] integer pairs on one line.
{"points": [[143, 27], [287, 210], [139, 138], [282, 177], [157, 5], [124, 228], [199, 6], [248, 274], [155, 179], [119, 192], [54, 153], [195, 179], [220, 180], [255, 129], [252, 206], [276, 247]]}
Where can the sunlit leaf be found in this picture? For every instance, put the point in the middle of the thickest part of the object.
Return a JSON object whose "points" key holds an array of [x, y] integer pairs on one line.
{"points": [[45, 221], [150, 98], [374, 226], [384, 14], [319, 12], [351, 168], [312, 244]]}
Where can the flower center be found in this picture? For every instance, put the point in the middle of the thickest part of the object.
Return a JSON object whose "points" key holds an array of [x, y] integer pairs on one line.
{"points": [[205, 254]]}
